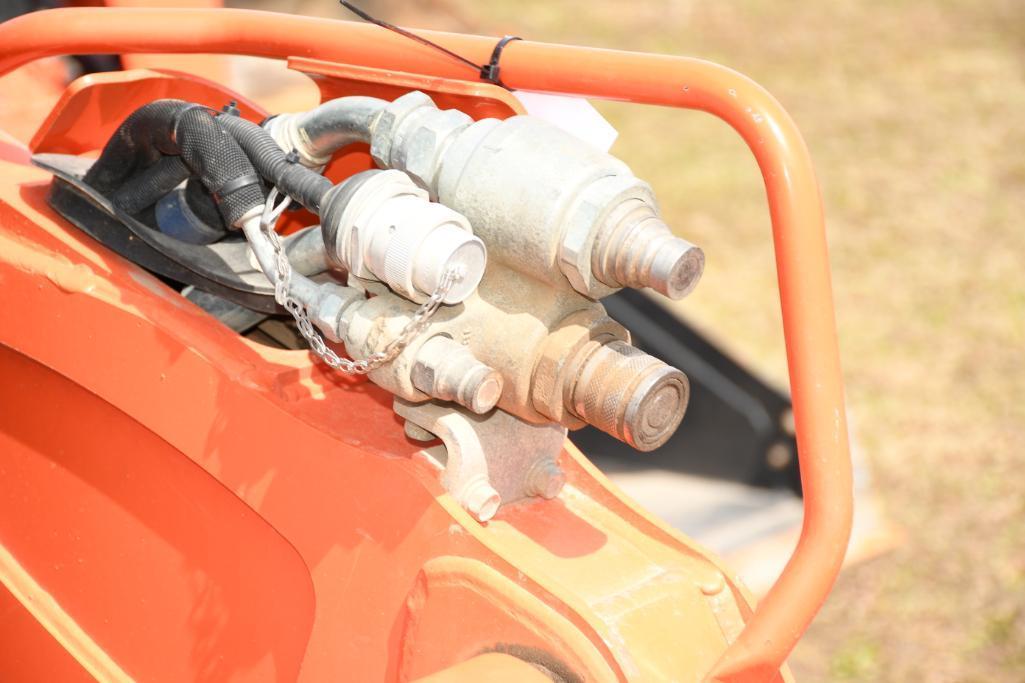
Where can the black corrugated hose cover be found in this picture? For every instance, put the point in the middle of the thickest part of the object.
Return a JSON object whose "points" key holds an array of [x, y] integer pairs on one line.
{"points": [[201, 203], [152, 183], [174, 128], [298, 182]]}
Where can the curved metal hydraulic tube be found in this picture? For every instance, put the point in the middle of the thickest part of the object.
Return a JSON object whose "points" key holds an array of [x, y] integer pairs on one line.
{"points": [[325, 129], [302, 288], [794, 203]]}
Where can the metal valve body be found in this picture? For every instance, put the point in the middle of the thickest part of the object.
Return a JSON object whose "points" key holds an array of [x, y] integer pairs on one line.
{"points": [[563, 225], [522, 338]]}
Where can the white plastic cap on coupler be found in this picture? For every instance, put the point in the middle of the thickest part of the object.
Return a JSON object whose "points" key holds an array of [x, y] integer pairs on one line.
{"points": [[379, 225], [450, 248]]}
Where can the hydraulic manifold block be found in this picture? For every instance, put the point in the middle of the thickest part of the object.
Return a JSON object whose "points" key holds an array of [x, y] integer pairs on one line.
{"points": [[518, 350]]}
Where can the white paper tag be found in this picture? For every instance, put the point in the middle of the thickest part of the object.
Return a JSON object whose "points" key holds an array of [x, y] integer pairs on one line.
{"points": [[575, 115]]}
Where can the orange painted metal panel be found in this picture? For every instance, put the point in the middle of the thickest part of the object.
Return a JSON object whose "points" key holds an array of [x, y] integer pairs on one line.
{"points": [[92, 107], [324, 462], [105, 531], [29, 93], [27, 643]]}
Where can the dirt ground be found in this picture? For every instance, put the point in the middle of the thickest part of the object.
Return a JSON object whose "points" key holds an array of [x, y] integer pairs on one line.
{"points": [[913, 112]]}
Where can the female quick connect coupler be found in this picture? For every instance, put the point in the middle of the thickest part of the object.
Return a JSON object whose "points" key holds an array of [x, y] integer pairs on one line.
{"points": [[627, 393], [379, 225], [587, 372]]}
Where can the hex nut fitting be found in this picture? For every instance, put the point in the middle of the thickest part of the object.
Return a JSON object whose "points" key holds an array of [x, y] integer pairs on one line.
{"points": [[384, 135], [426, 141], [332, 303], [597, 210], [545, 478]]}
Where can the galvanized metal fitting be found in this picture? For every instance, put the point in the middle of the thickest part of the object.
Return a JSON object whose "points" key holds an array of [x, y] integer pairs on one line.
{"points": [[447, 370], [385, 134], [285, 130], [429, 134], [479, 498], [597, 205], [544, 201], [328, 310], [544, 478], [411, 133], [626, 393]]}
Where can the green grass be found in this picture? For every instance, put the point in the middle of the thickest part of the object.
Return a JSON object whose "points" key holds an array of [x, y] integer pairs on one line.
{"points": [[856, 661]]}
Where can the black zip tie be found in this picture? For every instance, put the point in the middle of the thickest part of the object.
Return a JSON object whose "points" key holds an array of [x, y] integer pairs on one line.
{"points": [[293, 158], [182, 112], [233, 185], [491, 70], [488, 72]]}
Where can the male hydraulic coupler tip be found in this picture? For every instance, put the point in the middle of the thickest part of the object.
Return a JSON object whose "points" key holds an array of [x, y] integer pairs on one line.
{"points": [[642, 252]]}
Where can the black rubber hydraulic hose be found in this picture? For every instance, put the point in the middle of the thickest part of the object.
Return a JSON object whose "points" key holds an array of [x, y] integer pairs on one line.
{"points": [[169, 128], [149, 185], [298, 182]]}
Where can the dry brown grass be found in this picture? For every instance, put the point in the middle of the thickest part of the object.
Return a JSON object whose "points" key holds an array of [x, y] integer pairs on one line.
{"points": [[913, 112]]}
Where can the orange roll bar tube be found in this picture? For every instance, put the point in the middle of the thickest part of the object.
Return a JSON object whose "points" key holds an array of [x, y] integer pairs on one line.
{"points": [[794, 203]]}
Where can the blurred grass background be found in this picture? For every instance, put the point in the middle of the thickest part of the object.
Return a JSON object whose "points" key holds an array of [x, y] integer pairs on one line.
{"points": [[913, 111]]}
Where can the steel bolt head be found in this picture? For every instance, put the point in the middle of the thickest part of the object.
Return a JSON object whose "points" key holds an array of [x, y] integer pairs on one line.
{"points": [[545, 479]]}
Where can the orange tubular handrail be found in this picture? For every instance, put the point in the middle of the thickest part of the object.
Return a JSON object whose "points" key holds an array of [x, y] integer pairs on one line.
{"points": [[794, 203]]}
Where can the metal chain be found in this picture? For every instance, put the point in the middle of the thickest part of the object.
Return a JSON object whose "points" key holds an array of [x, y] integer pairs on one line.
{"points": [[283, 296]]}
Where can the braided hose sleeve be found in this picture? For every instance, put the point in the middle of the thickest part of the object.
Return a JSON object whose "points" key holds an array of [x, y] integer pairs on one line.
{"points": [[175, 128], [298, 182]]}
